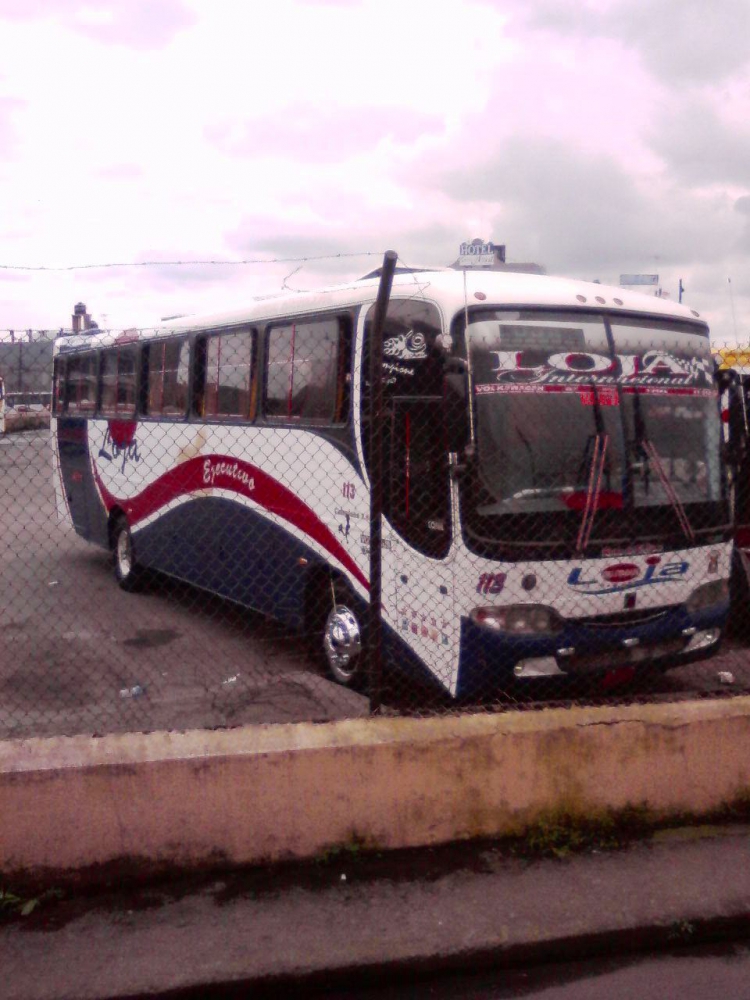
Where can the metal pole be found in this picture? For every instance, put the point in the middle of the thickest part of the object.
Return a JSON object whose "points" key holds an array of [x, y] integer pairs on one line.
{"points": [[374, 618]]}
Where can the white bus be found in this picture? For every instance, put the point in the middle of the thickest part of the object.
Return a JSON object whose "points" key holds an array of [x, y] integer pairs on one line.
{"points": [[554, 499]]}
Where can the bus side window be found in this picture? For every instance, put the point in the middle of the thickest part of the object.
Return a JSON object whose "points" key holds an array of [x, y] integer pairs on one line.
{"points": [[306, 371], [228, 368], [81, 384], [167, 373], [118, 382]]}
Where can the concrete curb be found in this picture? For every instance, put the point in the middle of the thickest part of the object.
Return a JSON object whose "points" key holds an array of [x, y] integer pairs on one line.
{"points": [[646, 939], [267, 793]]}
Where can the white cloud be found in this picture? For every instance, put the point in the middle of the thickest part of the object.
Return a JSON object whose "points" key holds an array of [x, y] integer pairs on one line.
{"points": [[597, 138], [680, 41], [700, 146]]}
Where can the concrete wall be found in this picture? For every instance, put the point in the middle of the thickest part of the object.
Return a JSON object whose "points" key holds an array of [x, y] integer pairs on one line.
{"points": [[273, 792], [25, 421]]}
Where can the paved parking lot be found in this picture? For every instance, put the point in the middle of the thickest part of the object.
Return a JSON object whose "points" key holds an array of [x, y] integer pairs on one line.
{"points": [[78, 655]]}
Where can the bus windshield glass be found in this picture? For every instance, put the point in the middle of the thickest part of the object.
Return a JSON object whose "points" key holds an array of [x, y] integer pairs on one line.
{"points": [[573, 414]]}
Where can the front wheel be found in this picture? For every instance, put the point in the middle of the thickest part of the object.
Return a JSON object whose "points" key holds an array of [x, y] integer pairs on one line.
{"points": [[342, 645], [338, 636], [128, 573]]}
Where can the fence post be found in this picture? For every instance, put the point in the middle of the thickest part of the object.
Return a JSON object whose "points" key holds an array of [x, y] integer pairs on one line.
{"points": [[374, 617]]}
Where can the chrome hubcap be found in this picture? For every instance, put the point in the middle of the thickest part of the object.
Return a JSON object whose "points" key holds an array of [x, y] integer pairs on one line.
{"points": [[124, 555], [342, 642]]}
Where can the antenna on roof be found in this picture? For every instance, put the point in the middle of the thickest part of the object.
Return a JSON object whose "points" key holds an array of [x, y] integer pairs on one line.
{"points": [[731, 299]]}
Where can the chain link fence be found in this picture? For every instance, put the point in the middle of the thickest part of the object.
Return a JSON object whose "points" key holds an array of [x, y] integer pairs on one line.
{"points": [[186, 533]]}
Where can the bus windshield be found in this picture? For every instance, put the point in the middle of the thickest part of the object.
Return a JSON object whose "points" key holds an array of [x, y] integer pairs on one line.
{"points": [[573, 414]]}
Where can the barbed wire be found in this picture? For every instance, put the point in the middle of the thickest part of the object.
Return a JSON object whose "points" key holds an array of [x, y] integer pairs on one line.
{"points": [[191, 263], [23, 334]]}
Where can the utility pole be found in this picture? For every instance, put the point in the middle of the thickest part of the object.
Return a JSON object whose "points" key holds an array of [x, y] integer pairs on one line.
{"points": [[376, 429]]}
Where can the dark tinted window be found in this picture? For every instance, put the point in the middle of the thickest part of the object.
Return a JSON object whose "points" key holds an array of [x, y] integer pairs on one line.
{"points": [[413, 357], [417, 492]]}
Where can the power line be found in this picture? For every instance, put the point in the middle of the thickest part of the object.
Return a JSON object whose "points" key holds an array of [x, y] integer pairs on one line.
{"points": [[191, 263]]}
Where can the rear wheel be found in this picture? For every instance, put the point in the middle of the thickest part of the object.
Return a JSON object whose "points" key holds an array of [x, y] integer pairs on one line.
{"points": [[128, 572]]}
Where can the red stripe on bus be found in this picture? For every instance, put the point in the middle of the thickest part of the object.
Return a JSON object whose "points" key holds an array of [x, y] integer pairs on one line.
{"points": [[222, 472]]}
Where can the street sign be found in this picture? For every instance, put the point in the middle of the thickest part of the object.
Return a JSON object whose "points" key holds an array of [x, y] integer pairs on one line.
{"points": [[639, 279]]}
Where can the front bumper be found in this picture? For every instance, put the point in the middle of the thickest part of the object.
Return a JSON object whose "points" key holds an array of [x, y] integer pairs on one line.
{"points": [[667, 637]]}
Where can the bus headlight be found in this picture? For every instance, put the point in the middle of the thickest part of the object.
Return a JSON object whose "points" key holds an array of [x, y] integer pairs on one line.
{"points": [[520, 619], [708, 594]]}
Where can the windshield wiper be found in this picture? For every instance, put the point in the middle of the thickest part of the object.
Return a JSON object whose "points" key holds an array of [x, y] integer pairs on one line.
{"points": [[596, 471], [653, 455], [646, 447]]}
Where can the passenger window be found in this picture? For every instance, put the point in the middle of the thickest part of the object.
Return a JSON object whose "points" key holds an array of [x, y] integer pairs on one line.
{"points": [[118, 382], [228, 367], [168, 368], [306, 371], [80, 384]]}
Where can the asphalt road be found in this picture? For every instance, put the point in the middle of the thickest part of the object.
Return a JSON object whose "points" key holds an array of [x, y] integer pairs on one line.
{"points": [[73, 646], [705, 973], [78, 655]]}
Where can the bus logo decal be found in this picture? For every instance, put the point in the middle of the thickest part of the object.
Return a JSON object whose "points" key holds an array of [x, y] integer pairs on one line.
{"points": [[213, 470], [621, 573], [627, 576], [120, 443], [409, 346]]}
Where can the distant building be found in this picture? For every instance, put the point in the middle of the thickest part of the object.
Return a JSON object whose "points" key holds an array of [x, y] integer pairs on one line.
{"points": [[82, 321], [484, 255], [26, 358]]}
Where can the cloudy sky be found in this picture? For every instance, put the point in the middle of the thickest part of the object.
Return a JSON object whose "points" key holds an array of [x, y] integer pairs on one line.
{"points": [[596, 138]]}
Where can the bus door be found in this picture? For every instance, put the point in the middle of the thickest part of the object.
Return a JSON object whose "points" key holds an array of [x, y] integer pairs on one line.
{"points": [[417, 505], [418, 584], [75, 403]]}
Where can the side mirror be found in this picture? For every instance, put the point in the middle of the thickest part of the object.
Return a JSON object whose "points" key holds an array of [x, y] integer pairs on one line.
{"points": [[456, 399]]}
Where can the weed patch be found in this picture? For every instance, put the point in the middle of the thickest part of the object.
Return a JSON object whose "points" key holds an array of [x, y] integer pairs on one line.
{"points": [[13, 905]]}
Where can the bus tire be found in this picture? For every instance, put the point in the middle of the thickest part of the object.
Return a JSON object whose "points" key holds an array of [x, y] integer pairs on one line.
{"points": [[128, 572], [338, 636]]}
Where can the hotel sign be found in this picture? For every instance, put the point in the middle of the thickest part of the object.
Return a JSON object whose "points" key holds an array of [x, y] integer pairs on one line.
{"points": [[479, 254]]}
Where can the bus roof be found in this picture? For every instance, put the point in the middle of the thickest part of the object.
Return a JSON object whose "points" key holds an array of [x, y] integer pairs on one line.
{"points": [[445, 287]]}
